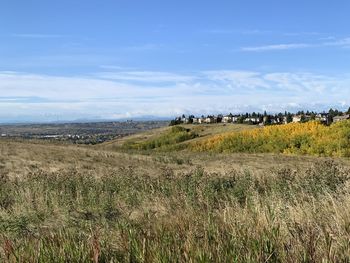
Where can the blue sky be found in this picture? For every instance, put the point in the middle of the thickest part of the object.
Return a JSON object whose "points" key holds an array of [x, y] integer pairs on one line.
{"points": [[66, 60]]}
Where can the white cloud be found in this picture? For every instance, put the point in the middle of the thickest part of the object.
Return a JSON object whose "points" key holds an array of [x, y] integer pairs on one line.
{"points": [[344, 43], [139, 93], [37, 36], [146, 76], [276, 47]]}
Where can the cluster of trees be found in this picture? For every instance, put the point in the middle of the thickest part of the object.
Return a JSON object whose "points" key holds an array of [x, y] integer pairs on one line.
{"points": [[310, 138]]}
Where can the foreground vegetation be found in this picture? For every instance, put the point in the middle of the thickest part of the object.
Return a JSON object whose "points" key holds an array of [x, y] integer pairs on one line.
{"points": [[64, 203], [122, 215], [310, 138]]}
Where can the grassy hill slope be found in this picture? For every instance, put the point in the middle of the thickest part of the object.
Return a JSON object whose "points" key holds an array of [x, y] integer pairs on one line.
{"points": [[63, 203], [310, 138], [172, 138]]}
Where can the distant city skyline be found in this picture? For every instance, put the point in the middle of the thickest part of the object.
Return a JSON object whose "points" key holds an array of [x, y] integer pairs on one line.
{"points": [[65, 60]]}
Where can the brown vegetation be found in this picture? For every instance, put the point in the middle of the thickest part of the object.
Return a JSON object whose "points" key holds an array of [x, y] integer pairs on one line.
{"points": [[65, 203]]}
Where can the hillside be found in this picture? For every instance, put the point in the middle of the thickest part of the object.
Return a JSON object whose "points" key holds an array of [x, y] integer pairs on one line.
{"points": [[311, 138], [164, 139], [150, 197], [62, 203]]}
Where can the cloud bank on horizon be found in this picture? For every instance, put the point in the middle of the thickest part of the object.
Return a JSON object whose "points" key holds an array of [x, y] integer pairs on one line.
{"points": [[65, 61], [130, 94]]}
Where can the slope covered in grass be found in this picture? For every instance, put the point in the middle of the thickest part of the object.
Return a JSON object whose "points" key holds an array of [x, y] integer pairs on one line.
{"points": [[310, 138], [66, 203], [172, 138], [167, 140]]}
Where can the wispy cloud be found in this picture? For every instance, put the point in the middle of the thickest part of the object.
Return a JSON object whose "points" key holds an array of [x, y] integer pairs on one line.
{"points": [[145, 76], [143, 47], [276, 47], [301, 34], [37, 36], [226, 31], [343, 43]]}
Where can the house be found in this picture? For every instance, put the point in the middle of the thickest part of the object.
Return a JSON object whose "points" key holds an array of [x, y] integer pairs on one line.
{"points": [[210, 119], [272, 120], [252, 120], [322, 117], [341, 118], [276, 121], [297, 118], [227, 119], [307, 118], [201, 120], [301, 118], [195, 120], [187, 120], [235, 119]]}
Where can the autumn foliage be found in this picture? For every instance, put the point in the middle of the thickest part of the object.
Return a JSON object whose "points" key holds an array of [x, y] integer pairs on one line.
{"points": [[310, 138]]}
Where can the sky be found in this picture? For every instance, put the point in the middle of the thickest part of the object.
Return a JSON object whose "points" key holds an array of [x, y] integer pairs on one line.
{"points": [[125, 59]]}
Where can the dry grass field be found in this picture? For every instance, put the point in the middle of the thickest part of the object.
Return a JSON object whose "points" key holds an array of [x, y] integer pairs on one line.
{"points": [[105, 203]]}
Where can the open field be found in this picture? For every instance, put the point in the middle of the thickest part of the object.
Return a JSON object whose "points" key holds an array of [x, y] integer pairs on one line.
{"points": [[102, 203]]}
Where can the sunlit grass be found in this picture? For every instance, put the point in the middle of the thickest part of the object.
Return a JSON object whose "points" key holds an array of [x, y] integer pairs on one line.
{"points": [[278, 216]]}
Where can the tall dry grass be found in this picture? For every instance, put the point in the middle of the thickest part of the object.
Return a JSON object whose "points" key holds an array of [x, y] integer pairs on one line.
{"points": [[281, 215]]}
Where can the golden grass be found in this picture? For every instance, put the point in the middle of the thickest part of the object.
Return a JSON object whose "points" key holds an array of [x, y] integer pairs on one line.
{"points": [[61, 203]]}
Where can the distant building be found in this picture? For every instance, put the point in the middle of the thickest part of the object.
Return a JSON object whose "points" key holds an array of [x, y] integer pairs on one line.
{"points": [[227, 119], [276, 121], [341, 118], [297, 118], [187, 120], [210, 119], [235, 118], [323, 117], [195, 120], [252, 120], [301, 118], [307, 118]]}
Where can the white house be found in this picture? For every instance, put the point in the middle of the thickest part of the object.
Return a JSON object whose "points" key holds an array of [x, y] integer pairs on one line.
{"points": [[297, 118], [227, 119], [341, 118], [209, 120], [201, 120], [252, 119]]}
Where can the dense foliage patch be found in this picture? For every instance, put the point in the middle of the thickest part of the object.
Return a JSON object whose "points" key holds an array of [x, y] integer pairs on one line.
{"points": [[310, 138]]}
